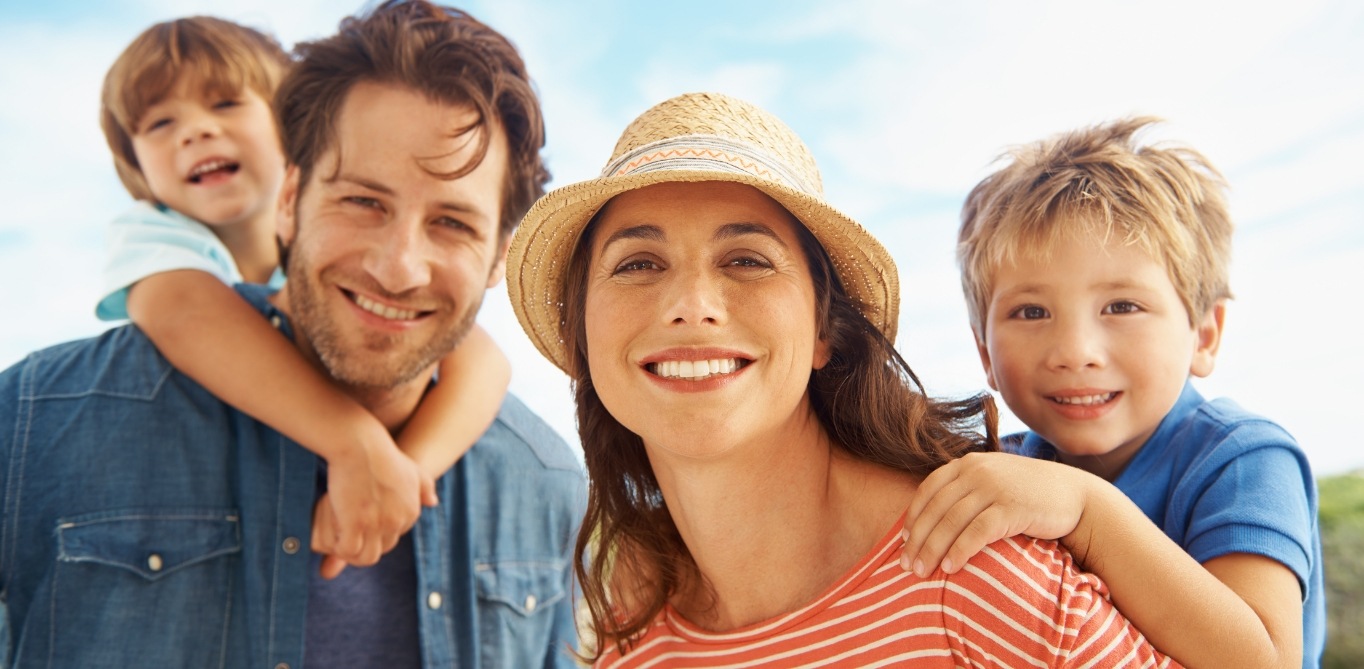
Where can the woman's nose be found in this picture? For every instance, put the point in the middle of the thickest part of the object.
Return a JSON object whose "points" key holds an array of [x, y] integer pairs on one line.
{"points": [[695, 298]]}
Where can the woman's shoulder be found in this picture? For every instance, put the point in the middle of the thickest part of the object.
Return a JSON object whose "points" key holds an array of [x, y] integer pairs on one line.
{"points": [[1025, 571], [1026, 596]]}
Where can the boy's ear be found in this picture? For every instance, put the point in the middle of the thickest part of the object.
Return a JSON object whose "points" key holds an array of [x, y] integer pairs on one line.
{"points": [[286, 223], [1209, 331], [984, 352]]}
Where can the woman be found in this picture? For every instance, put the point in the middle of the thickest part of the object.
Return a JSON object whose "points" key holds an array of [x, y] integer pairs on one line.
{"points": [[751, 435]]}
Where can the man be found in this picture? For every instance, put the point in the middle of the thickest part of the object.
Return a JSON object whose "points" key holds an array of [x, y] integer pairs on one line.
{"points": [[146, 523]]}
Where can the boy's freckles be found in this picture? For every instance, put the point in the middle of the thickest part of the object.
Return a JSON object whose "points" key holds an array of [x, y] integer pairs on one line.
{"points": [[1090, 347]]}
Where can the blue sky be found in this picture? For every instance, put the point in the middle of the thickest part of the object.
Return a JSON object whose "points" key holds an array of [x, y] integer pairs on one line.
{"points": [[904, 104]]}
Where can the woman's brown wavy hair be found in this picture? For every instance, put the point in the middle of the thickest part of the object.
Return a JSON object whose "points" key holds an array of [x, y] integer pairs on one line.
{"points": [[867, 399]]}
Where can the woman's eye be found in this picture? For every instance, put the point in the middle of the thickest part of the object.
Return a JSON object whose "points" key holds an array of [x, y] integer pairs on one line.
{"points": [[1122, 308], [635, 265], [746, 261]]}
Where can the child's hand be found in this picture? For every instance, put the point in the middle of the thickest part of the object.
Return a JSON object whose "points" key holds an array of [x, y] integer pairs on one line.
{"points": [[372, 499], [981, 498], [324, 538]]}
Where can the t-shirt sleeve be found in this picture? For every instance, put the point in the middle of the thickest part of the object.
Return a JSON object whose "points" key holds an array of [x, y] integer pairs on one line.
{"points": [[1257, 499], [1023, 602], [146, 241]]}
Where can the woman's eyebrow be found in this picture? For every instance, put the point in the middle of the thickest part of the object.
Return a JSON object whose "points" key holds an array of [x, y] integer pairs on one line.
{"points": [[732, 230], [647, 232]]}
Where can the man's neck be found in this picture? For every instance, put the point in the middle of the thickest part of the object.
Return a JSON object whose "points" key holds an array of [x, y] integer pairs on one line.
{"points": [[392, 406]]}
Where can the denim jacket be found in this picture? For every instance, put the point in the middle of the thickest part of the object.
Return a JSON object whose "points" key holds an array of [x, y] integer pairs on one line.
{"points": [[146, 523]]}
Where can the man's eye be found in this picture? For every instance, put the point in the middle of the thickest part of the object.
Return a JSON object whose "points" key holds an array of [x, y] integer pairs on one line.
{"points": [[453, 223], [366, 202]]}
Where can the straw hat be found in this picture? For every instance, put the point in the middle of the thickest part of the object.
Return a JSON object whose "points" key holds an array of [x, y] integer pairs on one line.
{"points": [[694, 137]]}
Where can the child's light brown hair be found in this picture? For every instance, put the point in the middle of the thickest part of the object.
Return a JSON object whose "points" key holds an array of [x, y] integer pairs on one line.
{"points": [[223, 57], [1100, 180]]}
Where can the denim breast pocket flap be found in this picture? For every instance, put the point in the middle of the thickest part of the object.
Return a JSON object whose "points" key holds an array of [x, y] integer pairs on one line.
{"points": [[525, 587], [149, 543]]}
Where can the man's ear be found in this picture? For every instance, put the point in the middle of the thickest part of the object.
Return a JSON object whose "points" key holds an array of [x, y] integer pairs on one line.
{"points": [[1209, 332], [286, 220], [499, 268], [984, 351]]}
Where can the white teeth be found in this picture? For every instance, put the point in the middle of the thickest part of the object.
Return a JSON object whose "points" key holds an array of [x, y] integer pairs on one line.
{"points": [[205, 168], [694, 369], [1085, 400], [383, 310]]}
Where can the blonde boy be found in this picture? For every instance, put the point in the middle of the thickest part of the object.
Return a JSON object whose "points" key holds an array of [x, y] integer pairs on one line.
{"points": [[186, 113], [1095, 272]]}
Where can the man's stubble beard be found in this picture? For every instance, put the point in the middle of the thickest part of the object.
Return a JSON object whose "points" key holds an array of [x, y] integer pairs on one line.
{"points": [[375, 365]]}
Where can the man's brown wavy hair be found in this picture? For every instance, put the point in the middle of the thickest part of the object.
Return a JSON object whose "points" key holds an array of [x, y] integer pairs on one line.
{"points": [[439, 52]]}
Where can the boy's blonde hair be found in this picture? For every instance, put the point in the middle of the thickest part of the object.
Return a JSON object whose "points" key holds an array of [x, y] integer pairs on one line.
{"points": [[223, 57], [1099, 180]]}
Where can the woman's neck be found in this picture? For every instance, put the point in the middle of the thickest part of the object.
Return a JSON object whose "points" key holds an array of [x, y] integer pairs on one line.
{"points": [[774, 524]]}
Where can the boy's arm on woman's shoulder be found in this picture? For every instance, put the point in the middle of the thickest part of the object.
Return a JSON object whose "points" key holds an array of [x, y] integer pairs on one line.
{"points": [[1239, 610], [1024, 602], [1253, 614]]}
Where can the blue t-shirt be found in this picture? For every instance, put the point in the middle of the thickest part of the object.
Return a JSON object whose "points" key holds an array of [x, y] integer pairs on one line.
{"points": [[149, 239], [1219, 480]]}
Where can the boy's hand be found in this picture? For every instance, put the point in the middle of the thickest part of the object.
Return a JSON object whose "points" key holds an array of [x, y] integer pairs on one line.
{"points": [[981, 498], [373, 496]]}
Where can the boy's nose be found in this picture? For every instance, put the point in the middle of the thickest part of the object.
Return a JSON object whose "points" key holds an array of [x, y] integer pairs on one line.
{"points": [[1075, 345], [198, 127]]}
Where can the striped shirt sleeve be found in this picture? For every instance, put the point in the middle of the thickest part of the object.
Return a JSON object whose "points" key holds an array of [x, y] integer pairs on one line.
{"points": [[1024, 603]]}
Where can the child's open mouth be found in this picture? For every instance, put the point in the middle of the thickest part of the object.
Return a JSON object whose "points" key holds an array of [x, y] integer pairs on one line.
{"points": [[1086, 400], [212, 170]]}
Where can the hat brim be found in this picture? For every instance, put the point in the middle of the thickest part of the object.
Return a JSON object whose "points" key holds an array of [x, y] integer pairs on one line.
{"points": [[537, 260]]}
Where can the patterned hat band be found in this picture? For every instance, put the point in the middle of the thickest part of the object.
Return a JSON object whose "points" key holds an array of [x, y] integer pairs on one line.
{"points": [[708, 153]]}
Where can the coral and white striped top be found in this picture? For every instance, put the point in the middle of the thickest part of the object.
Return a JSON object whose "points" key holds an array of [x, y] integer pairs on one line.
{"points": [[1019, 603]]}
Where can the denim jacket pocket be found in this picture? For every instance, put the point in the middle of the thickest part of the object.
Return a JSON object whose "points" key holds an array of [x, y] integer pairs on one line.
{"points": [[524, 587], [151, 544], [518, 603], [126, 581]]}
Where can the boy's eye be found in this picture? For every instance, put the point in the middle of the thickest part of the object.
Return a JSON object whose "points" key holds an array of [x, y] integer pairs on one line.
{"points": [[1030, 312], [1121, 307], [225, 104], [155, 124]]}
